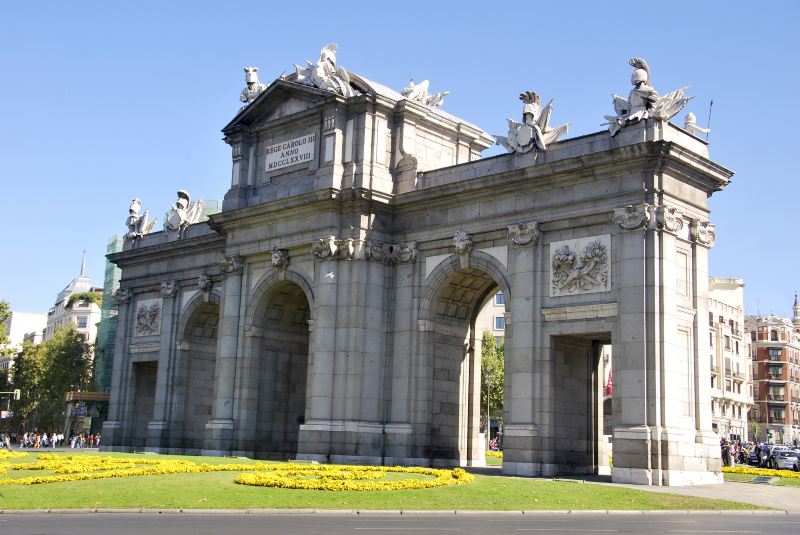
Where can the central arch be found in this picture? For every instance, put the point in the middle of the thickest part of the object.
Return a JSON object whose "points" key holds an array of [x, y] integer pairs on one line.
{"points": [[453, 347], [281, 369]]}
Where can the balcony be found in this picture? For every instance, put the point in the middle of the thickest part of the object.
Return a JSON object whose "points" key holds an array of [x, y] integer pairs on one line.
{"points": [[739, 376], [776, 397]]}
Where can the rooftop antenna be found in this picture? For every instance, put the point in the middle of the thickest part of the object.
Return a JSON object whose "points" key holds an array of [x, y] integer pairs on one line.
{"points": [[708, 123]]}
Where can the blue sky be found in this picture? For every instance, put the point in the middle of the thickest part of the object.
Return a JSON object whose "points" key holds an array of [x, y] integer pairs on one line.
{"points": [[104, 101]]}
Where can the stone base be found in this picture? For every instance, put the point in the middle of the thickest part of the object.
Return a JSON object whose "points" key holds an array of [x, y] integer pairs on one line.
{"points": [[219, 438]]}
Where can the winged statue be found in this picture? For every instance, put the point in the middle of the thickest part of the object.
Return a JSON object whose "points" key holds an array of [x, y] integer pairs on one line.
{"points": [[534, 131], [643, 101], [325, 74], [419, 93], [138, 226]]}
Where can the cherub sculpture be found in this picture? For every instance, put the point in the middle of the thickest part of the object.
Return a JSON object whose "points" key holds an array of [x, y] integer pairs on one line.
{"points": [[534, 131], [138, 226], [643, 101], [419, 93], [254, 86], [690, 125], [325, 74], [182, 214]]}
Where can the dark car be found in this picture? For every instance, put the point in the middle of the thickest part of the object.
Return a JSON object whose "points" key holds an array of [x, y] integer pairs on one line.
{"points": [[752, 458]]}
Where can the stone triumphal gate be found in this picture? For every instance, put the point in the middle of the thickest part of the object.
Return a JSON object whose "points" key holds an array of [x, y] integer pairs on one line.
{"points": [[328, 312]]}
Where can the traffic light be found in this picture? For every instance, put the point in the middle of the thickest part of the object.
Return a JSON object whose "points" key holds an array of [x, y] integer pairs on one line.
{"points": [[16, 394], [769, 434]]}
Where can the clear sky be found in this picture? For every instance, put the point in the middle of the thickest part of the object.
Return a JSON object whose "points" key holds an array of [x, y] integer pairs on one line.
{"points": [[104, 101]]}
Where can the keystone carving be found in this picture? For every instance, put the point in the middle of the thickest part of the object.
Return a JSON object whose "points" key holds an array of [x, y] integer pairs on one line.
{"points": [[704, 233], [632, 217], [204, 282], [523, 234], [462, 242]]}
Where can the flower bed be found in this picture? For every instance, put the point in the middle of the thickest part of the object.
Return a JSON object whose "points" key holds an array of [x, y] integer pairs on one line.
{"points": [[282, 475], [760, 472], [497, 454]]}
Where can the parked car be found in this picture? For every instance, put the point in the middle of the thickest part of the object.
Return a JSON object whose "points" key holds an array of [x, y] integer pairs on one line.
{"points": [[773, 455], [787, 460], [752, 458]]}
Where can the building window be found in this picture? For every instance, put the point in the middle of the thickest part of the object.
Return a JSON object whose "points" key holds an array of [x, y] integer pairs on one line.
{"points": [[775, 372], [499, 298], [721, 319], [727, 343], [82, 321], [753, 336], [773, 335], [499, 323], [711, 339], [774, 353], [737, 347], [728, 385]]}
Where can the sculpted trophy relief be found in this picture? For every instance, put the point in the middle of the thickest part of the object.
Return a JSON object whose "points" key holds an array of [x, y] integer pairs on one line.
{"points": [[534, 131], [254, 87]]}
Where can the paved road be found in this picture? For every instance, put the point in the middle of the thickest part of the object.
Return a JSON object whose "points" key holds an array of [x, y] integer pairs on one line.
{"points": [[387, 524]]}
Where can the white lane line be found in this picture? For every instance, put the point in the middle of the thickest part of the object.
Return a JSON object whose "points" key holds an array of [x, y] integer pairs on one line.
{"points": [[709, 531], [407, 529], [571, 529]]}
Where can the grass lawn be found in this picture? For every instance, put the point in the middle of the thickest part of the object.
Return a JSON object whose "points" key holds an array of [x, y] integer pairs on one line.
{"points": [[745, 478], [217, 490]]}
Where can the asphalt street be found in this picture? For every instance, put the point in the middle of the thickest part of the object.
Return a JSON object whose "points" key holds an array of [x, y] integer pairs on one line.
{"points": [[350, 523]]}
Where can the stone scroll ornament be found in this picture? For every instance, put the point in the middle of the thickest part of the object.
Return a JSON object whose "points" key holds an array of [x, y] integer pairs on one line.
{"points": [[138, 225], [704, 233], [168, 288], [583, 270], [419, 93], [669, 219], [204, 282], [122, 295], [523, 234], [462, 243], [231, 264], [325, 74], [643, 101], [148, 318], [632, 217], [534, 131]]}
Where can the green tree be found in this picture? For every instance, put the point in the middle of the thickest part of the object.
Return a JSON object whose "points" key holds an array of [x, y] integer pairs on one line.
{"points": [[755, 430], [46, 372], [492, 375], [5, 314]]}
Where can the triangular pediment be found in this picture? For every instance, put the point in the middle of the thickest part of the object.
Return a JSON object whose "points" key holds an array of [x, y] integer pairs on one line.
{"points": [[281, 99]]}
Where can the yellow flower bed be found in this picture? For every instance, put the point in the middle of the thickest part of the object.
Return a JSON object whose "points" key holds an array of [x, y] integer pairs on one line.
{"points": [[351, 478], [498, 454], [760, 472], [283, 475], [5, 454]]}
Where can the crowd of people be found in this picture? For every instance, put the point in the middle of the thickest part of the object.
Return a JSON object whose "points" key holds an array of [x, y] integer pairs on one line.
{"points": [[39, 440]]}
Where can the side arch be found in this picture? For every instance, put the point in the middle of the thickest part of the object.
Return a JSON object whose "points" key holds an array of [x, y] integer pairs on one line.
{"points": [[257, 305]]}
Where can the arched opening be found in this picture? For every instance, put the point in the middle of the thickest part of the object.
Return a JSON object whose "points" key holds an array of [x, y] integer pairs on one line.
{"points": [[282, 368], [200, 346], [455, 436]]}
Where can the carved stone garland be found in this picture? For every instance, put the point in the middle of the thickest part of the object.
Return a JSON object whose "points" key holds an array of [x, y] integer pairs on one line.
{"points": [[333, 248], [401, 253], [523, 234]]}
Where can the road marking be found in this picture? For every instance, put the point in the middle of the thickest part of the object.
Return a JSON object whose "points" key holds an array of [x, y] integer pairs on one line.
{"points": [[406, 529], [708, 531], [571, 529]]}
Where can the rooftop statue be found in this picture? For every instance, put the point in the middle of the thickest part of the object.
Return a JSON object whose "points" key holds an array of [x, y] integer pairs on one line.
{"points": [[534, 130], [182, 214], [643, 101], [419, 93], [254, 87], [324, 74], [690, 125], [138, 225]]}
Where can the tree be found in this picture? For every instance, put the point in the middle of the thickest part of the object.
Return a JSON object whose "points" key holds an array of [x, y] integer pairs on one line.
{"points": [[5, 342], [492, 374], [755, 429], [45, 373]]}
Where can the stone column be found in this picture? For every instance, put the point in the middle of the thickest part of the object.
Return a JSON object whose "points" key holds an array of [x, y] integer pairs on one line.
{"points": [[158, 429], [524, 378], [219, 431], [116, 428]]}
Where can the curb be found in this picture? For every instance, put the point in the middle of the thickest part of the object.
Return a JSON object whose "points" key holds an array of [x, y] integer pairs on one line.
{"points": [[376, 512]]}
